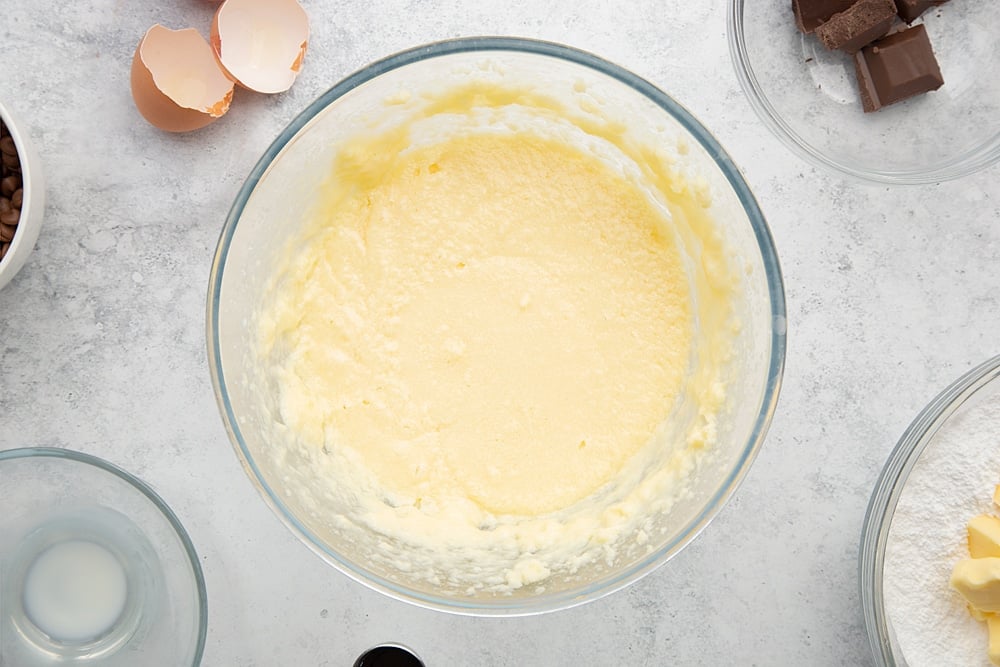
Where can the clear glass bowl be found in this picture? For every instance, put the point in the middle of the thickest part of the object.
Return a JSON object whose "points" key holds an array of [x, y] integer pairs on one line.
{"points": [[807, 96], [284, 184], [95, 569], [920, 438]]}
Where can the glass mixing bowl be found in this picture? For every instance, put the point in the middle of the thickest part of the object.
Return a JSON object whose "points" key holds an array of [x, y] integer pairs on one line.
{"points": [[283, 186], [923, 449], [95, 569], [807, 96]]}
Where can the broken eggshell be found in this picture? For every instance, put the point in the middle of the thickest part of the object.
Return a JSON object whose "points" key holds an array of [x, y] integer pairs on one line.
{"points": [[261, 43], [177, 84]]}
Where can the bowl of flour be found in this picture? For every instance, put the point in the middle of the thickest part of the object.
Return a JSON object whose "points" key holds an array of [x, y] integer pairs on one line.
{"points": [[941, 474]]}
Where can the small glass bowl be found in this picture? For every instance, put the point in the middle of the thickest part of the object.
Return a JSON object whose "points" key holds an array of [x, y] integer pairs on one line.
{"points": [[808, 97], [920, 438], [95, 569]]}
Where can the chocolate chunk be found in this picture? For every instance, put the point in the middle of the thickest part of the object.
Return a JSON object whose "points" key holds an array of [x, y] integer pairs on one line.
{"points": [[909, 10], [864, 22], [810, 14], [896, 67]]}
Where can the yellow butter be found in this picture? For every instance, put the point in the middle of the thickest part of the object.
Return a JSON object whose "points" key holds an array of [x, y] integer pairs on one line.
{"points": [[996, 495], [984, 536], [976, 614], [978, 580], [993, 624]]}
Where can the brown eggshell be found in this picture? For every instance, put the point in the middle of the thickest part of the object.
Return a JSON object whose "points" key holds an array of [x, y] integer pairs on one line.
{"points": [[177, 85]]}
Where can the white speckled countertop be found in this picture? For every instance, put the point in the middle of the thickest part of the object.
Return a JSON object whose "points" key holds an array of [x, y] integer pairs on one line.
{"points": [[892, 293]]}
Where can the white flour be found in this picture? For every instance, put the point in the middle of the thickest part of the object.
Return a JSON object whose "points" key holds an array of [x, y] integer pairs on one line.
{"points": [[953, 482]]}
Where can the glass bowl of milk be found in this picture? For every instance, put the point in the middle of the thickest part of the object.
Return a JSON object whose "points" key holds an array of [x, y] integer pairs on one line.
{"points": [[95, 569]]}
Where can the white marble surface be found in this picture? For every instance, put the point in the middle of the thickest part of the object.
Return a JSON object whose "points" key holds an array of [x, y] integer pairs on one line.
{"points": [[892, 293]]}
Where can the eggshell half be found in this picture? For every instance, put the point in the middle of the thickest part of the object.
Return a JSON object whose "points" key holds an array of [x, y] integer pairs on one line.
{"points": [[261, 43], [177, 83]]}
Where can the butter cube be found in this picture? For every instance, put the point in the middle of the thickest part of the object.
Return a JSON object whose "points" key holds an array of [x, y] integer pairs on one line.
{"points": [[976, 614], [984, 536], [978, 580], [993, 624], [996, 495]]}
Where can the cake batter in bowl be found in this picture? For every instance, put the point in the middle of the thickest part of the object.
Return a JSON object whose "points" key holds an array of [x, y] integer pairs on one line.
{"points": [[495, 326]]}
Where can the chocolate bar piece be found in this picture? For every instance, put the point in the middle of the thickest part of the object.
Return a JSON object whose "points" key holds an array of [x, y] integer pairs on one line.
{"points": [[896, 67], [909, 10], [810, 14], [864, 22]]}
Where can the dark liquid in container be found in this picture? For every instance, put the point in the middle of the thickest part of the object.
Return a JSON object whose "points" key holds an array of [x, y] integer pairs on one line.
{"points": [[388, 656]]}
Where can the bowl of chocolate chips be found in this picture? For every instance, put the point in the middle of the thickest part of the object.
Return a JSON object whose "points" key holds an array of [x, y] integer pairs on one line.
{"points": [[891, 91], [22, 195]]}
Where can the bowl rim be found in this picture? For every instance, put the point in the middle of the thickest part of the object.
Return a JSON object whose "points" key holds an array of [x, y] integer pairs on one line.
{"points": [[885, 496], [775, 290], [154, 498], [982, 157], [33, 183]]}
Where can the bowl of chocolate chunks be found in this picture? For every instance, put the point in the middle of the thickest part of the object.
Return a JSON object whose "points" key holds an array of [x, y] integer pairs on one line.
{"points": [[891, 91], [22, 195]]}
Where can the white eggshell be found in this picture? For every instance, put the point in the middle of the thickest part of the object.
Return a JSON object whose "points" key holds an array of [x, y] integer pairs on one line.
{"points": [[261, 43]]}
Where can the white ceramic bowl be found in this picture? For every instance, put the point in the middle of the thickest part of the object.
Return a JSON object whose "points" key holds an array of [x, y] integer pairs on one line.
{"points": [[33, 206]]}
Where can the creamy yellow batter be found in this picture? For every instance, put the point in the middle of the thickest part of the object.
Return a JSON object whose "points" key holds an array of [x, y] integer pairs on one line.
{"points": [[500, 319], [477, 340]]}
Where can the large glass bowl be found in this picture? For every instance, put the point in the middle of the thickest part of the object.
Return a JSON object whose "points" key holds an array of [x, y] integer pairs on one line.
{"points": [[963, 491], [283, 185], [808, 97]]}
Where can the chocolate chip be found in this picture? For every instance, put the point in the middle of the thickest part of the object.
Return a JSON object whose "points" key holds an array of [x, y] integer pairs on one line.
{"points": [[11, 192], [8, 184]]}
